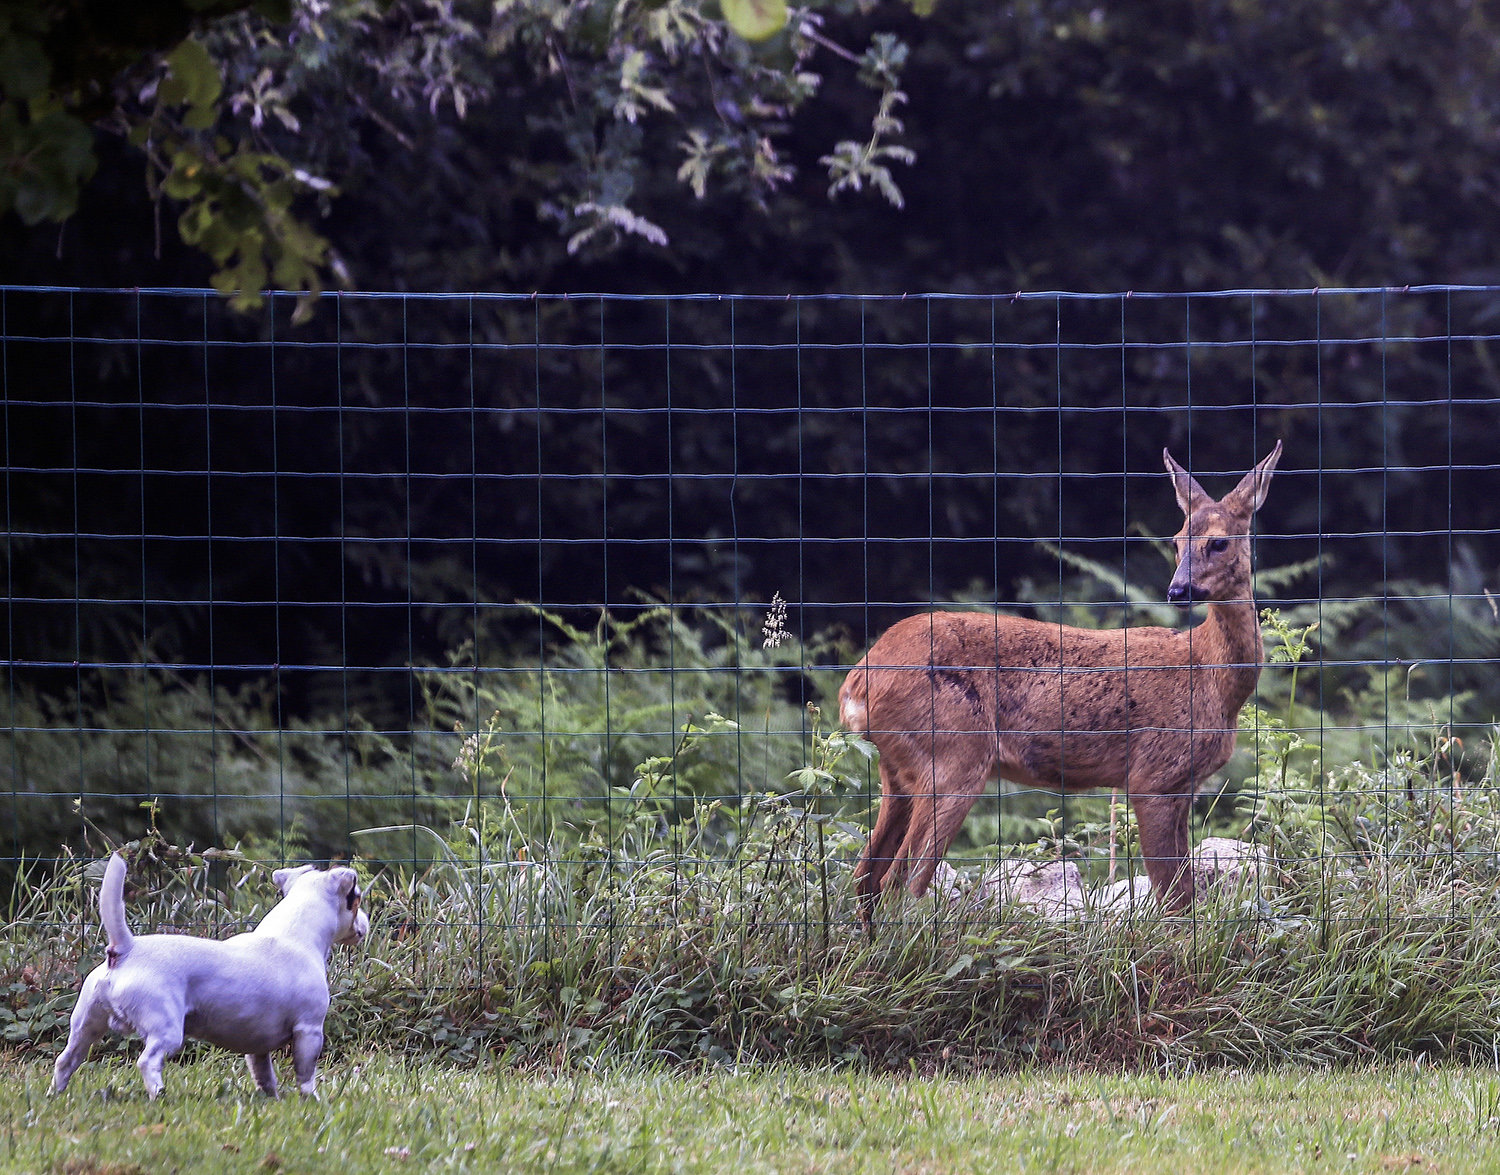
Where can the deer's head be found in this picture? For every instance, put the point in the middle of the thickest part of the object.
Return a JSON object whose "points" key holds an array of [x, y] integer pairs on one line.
{"points": [[1213, 546]]}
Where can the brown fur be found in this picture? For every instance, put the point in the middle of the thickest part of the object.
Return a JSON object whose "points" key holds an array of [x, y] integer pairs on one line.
{"points": [[954, 698]]}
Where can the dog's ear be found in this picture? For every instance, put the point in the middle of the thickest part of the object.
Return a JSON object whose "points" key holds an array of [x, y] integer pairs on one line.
{"points": [[283, 879], [346, 884]]}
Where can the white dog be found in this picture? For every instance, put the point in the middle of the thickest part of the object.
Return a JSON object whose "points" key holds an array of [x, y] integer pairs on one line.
{"points": [[254, 993]]}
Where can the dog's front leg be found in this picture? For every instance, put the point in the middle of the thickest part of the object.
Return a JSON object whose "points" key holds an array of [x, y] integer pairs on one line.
{"points": [[307, 1046], [263, 1071]]}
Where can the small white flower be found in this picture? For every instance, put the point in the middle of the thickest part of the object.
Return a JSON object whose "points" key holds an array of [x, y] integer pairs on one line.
{"points": [[774, 628]]}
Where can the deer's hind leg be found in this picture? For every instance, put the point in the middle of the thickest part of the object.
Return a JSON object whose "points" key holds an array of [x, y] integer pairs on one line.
{"points": [[954, 777], [885, 838]]}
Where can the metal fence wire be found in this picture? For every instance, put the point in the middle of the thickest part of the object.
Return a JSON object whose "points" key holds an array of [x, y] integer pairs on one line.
{"points": [[459, 583]]}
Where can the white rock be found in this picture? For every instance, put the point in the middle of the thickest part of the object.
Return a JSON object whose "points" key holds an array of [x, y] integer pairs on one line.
{"points": [[1055, 889], [1122, 894], [1222, 861], [1052, 888], [946, 883]]}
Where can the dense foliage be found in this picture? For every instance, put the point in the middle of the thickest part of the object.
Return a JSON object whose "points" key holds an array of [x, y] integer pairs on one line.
{"points": [[251, 124], [601, 145], [710, 451], [1369, 932]]}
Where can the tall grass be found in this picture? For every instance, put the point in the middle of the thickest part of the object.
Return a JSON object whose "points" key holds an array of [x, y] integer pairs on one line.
{"points": [[693, 905], [215, 763], [1375, 934]]}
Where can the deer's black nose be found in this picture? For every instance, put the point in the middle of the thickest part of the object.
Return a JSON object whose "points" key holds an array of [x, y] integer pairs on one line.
{"points": [[1179, 593]]}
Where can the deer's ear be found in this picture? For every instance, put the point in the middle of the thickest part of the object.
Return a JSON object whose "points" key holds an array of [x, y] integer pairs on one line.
{"points": [[1254, 485], [1190, 495]]}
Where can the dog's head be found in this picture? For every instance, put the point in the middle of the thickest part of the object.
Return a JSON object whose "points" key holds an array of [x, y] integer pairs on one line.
{"points": [[340, 888]]}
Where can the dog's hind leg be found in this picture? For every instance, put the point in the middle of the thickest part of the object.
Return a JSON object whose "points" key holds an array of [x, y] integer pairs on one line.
{"points": [[162, 1040], [90, 1021], [307, 1046], [263, 1071]]}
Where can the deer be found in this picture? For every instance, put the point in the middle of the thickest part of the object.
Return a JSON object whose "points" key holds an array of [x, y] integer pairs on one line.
{"points": [[953, 699]]}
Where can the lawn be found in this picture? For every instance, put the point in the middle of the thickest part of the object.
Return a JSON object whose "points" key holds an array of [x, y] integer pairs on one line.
{"points": [[379, 1113]]}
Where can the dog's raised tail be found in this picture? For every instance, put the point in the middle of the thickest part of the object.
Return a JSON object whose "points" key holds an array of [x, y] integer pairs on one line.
{"points": [[112, 909]]}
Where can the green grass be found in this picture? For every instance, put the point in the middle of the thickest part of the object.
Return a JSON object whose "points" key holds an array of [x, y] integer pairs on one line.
{"points": [[381, 1113]]}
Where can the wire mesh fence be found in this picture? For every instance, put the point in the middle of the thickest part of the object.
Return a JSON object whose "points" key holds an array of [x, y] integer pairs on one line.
{"points": [[537, 589]]}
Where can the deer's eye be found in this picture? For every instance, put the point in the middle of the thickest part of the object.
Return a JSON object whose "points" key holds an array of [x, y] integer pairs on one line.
{"points": [[1217, 546]]}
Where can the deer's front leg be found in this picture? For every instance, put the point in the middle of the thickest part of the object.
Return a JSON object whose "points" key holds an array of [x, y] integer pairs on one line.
{"points": [[1163, 824]]}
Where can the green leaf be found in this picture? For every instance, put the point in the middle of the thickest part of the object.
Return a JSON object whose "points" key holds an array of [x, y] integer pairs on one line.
{"points": [[200, 118], [755, 20], [960, 965], [43, 164], [195, 77], [185, 180], [806, 778], [195, 222]]}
